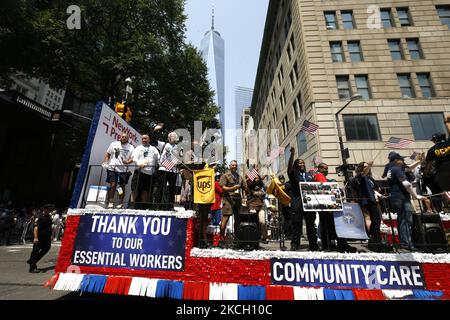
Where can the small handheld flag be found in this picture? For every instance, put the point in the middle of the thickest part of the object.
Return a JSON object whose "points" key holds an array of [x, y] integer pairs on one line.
{"points": [[169, 164], [252, 174]]}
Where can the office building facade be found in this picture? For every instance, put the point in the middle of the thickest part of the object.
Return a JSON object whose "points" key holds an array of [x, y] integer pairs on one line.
{"points": [[316, 55]]}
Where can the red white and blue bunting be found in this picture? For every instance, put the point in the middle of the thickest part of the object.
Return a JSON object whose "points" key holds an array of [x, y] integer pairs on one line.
{"points": [[185, 290]]}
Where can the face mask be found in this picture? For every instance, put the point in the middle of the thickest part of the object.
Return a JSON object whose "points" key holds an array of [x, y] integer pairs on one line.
{"points": [[325, 173]]}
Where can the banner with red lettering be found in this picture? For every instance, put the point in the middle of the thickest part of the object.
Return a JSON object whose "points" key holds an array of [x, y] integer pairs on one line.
{"points": [[106, 127]]}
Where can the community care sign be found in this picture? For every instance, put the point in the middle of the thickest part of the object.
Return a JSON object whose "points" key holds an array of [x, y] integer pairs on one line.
{"points": [[130, 241], [399, 275]]}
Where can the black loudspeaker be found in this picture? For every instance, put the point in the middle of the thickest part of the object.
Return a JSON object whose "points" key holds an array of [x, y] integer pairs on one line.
{"points": [[428, 233], [248, 232]]}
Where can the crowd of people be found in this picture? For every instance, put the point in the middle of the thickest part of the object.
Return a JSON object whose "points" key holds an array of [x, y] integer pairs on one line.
{"points": [[16, 226], [158, 179]]}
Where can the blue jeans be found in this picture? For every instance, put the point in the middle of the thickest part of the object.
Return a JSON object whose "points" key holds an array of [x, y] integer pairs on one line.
{"points": [[405, 211]]}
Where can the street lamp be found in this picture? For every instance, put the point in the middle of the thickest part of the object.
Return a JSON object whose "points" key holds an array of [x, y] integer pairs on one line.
{"points": [[73, 114], [128, 89], [344, 152]]}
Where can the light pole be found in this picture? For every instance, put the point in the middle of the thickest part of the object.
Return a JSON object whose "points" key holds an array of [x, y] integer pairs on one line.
{"points": [[71, 113], [128, 89], [344, 154]]}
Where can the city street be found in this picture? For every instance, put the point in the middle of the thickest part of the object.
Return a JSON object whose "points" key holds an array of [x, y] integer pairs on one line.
{"points": [[16, 283]]}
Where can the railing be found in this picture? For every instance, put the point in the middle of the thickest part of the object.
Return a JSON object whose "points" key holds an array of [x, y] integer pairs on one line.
{"points": [[160, 191]]}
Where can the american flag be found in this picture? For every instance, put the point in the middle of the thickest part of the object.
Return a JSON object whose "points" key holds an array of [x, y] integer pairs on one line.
{"points": [[252, 174], [414, 156], [310, 127], [447, 195], [397, 143], [169, 164]]}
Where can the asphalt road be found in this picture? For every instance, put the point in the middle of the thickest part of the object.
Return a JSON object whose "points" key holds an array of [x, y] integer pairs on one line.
{"points": [[16, 283]]}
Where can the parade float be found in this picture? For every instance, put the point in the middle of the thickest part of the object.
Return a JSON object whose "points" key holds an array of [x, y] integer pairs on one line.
{"points": [[154, 254]]}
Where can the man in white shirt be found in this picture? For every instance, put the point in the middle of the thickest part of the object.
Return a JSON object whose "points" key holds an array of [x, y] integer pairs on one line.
{"points": [[146, 158], [167, 173], [117, 158]]}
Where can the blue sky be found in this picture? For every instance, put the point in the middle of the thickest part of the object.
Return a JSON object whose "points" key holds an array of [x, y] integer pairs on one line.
{"points": [[241, 25]]}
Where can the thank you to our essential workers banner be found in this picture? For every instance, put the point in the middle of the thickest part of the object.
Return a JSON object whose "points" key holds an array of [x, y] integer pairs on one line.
{"points": [[347, 273], [130, 241]]}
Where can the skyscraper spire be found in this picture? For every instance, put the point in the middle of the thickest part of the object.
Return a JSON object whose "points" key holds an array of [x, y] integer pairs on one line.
{"points": [[212, 22]]}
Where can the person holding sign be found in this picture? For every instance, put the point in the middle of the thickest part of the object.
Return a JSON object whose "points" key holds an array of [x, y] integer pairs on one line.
{"points": [[146, 158], [364, 192], [297, 173], [232, 184], [117, 157], [327, 227]]}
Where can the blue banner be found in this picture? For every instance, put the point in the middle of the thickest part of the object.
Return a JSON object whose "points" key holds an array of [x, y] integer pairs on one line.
{"points": [[347, 273], [130, 241], [349, 223]]}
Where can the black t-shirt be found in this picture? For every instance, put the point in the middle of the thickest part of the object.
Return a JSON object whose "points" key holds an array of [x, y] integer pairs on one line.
{"points": [[295, 177], [440, 153], [44, 224]]}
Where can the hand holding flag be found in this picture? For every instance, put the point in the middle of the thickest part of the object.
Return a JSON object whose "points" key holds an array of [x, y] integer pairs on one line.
{"points": [[252, 174]]}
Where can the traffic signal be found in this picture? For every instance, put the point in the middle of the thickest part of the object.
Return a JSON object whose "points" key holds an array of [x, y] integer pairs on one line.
{"points": [[128, 114], [120, 109]]}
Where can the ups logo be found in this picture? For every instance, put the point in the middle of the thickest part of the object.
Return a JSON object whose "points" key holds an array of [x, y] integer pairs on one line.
{"points": [[204, 184]]}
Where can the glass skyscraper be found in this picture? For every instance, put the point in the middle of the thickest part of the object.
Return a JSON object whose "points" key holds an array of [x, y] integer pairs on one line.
{"points": [[243, 99], [213, 51]]}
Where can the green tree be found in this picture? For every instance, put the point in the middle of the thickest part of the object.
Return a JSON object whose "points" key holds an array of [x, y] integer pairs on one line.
{"points": [[142, 39]]}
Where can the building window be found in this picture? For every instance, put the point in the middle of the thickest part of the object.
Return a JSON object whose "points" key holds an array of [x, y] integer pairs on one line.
{"points": [[406, 88], [386, 18], [337, 54], [444, 14], [354, 48], [285, 127], [289, 52], [283, 99], [396, 49], [280, 76], [361, 127], [296, 111], [404, 17], [362, 85], [292, 42], [287, 154], [295, 69], [424, 125], [425, 85], [302, 144], [292, 78], [347, 20], [343, 86], [298, 104], [330, 20], [414, 49]]}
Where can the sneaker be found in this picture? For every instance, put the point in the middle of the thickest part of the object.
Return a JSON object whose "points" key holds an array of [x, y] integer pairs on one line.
{"points": [[413, 249], [119, 206], [35, 270], [295, 247], [111, 206]]}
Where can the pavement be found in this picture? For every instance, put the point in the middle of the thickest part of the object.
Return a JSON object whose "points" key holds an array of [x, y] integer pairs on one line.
{"points": [[16, 283]]}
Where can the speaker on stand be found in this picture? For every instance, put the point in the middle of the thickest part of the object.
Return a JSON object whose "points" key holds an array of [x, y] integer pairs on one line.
{"points": [[248, 233], [428, 232]]}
